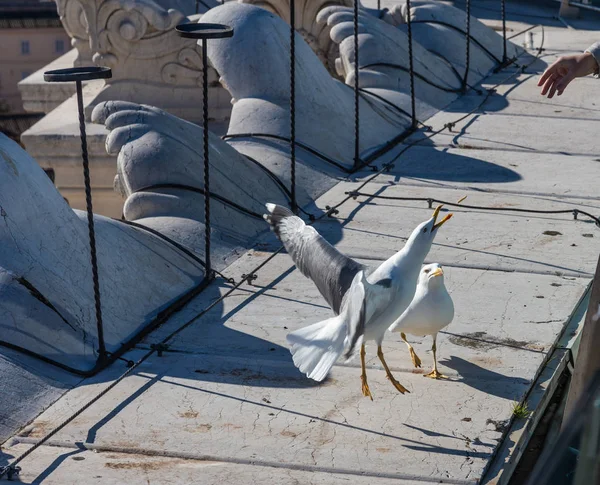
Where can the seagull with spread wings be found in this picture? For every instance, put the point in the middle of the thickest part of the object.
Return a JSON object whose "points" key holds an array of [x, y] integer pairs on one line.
{"points": [[366, 301]]}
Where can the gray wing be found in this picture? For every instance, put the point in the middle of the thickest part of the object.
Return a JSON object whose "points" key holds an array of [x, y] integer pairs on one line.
{"points": [[331, 271]]}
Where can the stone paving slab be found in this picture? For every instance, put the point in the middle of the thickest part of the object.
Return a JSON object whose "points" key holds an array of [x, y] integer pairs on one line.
{"points": [[66, 466], [309, 427], [551, 174], [552, 136], [508, 241], [524, 99], [250, 321], [249, 403]]}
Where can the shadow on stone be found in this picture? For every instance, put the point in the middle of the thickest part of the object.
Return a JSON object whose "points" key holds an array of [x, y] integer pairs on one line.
{"points": [[447, 166], [487, 381]]}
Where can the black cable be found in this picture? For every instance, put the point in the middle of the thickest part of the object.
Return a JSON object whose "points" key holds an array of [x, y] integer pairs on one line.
{"points": [[357, 160], [411, 67], [173, 243], [308, 148], [430, 200], [198, 190], [383, 100], [272, 176], [531, 27], [473, 39], [459, 77], [420, 76], [294, 204], [279, 183], [392, 105], [449, 125], [90, 221]]}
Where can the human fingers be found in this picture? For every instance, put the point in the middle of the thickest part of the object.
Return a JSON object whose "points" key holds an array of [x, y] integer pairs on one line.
{"points": [[564, 82], [547, 73], [548, 84]]}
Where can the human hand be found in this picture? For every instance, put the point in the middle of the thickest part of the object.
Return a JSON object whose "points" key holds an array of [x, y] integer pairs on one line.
{"points": [[566, 68]]}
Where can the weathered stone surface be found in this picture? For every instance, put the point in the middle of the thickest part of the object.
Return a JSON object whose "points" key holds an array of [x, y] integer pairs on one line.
{"points": [[314, 33], [44, 254], [27, 386]]}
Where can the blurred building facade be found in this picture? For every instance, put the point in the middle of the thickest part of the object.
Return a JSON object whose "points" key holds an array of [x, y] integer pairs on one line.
{"points": [[31, 35]]}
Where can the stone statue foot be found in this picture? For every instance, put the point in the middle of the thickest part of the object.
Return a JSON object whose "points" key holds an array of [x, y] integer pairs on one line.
{"points": [[161, 173], [384, 62]]}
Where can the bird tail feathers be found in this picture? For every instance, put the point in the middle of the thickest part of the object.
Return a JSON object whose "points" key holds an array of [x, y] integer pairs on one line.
{"points": [[317, 347]]}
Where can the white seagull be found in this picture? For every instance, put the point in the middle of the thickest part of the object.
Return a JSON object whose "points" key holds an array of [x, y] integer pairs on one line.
{"points": [[366, 301], [430, 310]]}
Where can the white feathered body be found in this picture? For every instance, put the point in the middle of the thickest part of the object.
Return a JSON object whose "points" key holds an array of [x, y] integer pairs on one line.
{"points": [[403, 274], [430, 311]]}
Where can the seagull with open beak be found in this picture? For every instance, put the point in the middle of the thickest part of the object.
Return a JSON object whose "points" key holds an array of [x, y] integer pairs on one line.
{"points": [[430, 310], [366, 301]]}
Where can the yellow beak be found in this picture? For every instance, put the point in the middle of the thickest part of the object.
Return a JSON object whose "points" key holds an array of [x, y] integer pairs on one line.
{"points": [[435, 215], [437, 272]]}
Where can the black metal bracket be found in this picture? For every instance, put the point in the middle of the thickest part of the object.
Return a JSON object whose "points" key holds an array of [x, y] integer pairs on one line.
{"points": [[159, 348], [204, 31], [10, 471], [249, 277], [74, 74], [331, 211]]}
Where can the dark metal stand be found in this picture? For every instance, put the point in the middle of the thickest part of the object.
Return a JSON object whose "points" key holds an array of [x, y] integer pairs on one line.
{"points": [[357, 161], [204, 32], [294, 202], [468, 49], [504, 56], [79, 74], [506, 61], [414, 122]]}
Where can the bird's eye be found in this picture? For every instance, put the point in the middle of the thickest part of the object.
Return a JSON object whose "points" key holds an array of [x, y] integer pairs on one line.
{"points": [[424, 229], [426, 271]]}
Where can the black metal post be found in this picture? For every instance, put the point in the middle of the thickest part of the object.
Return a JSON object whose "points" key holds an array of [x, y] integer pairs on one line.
{"points": [[357, 161], [468, 50], [504, 56], [80, 74], [411, 67], [90, 220], [294, 202], [205, 31], [208, 266], [197, 6]]}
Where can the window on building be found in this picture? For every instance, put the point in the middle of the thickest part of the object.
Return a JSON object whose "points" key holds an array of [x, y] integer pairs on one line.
{"points": [[59, 46], [24, 47]]}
